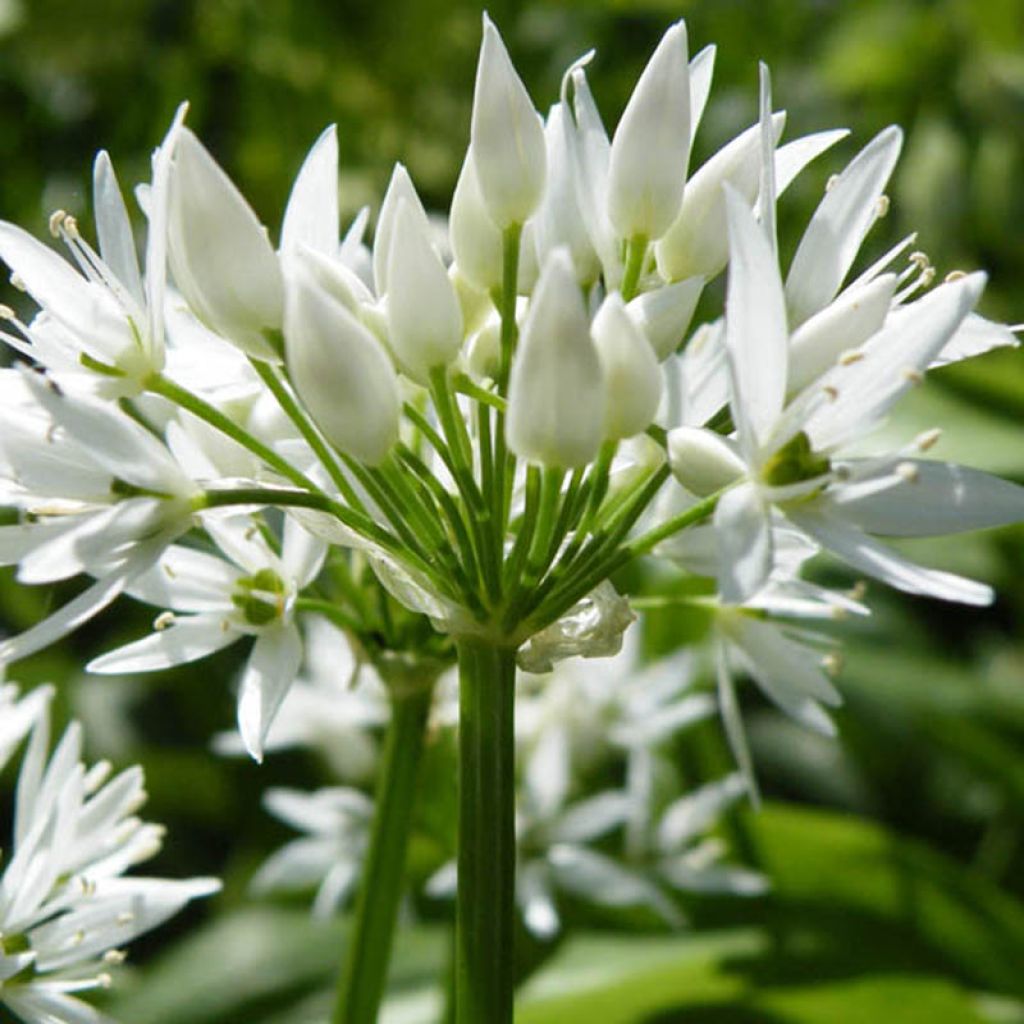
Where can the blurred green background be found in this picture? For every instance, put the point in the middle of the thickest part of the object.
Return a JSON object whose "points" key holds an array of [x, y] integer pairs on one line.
{"points": [[897, 854]]}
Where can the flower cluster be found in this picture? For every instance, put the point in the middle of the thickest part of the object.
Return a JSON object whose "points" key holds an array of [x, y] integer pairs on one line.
{"points": [[65, 909]]}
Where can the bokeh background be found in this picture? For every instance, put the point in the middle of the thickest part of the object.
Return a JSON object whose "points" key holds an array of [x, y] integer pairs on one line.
{"points": [[897, 853]]}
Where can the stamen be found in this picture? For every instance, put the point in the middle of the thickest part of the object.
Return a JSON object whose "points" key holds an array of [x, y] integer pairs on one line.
{"points": [[908, 472], [6, 313], [832, 393], [928, 439], [954, 275], [850, 356], [832, 182], [858, 591], [163, 621], [56, 222], [832, 663], [17, 281], [912, 376], [882, 206], [115, 956]]}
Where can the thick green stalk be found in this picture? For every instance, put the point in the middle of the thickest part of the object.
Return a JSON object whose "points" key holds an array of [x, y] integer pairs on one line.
{"points": [[485, 911], [364, 972]]}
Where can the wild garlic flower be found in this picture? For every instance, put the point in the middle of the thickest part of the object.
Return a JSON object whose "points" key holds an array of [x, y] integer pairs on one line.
{"points": [[478, 416], [66, 907]]}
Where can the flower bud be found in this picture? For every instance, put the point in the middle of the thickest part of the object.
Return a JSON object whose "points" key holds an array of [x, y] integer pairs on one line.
{"points": [[632, 377], [559, 221], [507, 136], [663, 315], [399, 188], [651, 147], [476, 241], [556, 358], [842, 326], [424, 319], [703, 461], [697, 241], [221, 257], [340, 371]]}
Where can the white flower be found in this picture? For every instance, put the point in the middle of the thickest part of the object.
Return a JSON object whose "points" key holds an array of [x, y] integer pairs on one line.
{"points": [[103, 311], [65, 910], [789, 451], [330, 856], [105, 495], [252, 592]]}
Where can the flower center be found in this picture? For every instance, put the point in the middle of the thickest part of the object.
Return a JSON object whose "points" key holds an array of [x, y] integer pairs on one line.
{"points": [[794, 462], [260, 598]]}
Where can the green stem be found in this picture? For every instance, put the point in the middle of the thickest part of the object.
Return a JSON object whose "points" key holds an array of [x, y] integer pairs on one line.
{"points": [[485, 912], [166, 388], [309, 431], [364, 973]]}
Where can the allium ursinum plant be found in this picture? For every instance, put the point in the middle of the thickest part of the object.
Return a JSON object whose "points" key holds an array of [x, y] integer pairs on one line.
{"points": [[451, 445], [65, 909]]}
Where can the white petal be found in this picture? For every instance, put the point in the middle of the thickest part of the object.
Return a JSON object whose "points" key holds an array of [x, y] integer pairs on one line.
{"points": [[591, 818], [114, 229], [732, 720], [507, 136], [156, 238], [183, 641], [926, 498], [703, 461], [975, 336], [302, 553], [424, 318], [220, 253], [876, 559], [743, 529], [268, 675], [187, 580], [400, 187], [839, 225], [698, 811], [665, 313], [892, 361], [311, 216], [632, 377], [696, 243], [702, 71], [842, 325], [556, 353], [475, 239], [755, 327], [651, 147]]}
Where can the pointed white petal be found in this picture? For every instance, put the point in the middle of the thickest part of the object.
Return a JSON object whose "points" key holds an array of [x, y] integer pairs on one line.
{"points": [[696, 812], [880, 561], [268, 675], [114, 229], [184, 640], [893, 360], [651, 148], [302, 553], [924, 498], [507, 136], [702, 71], [311, 216], [756, 336], [975, 336], [838, 227], [591, 818], [743, 529], [400, 188], [664, 314], [186, 580]]}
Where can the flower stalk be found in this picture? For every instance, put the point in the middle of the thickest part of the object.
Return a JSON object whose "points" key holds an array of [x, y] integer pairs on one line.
{"points": [[485, 915], [365, 967]]}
